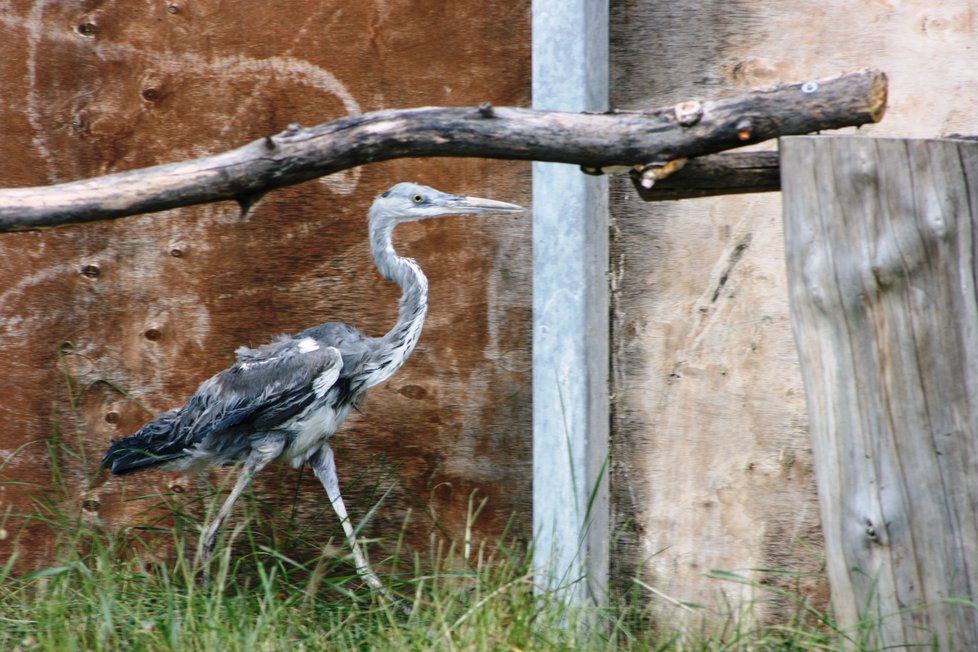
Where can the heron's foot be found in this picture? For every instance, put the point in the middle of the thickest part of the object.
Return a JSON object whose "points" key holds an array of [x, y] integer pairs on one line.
{"points": [[404, 606], [203, 577], [206, 550], [371, 579], [204, 554]]}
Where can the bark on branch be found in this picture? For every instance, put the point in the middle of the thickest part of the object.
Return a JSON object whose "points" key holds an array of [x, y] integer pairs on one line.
{"points": [[729, 173], [592, 141]]}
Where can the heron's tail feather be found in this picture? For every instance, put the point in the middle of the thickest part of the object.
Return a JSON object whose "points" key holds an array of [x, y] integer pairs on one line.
{"points": [[152, 446]]}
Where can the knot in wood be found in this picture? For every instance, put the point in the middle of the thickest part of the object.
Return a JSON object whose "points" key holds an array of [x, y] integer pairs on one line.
{"points": [[486, 110], [871, 532], [649, 174], [744, 129], [688, 113]]}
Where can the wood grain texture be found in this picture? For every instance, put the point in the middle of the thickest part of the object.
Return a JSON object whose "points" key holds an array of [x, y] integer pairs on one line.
{"points": [[880, 245], [155, 304], [593, 140], [712, 466]]}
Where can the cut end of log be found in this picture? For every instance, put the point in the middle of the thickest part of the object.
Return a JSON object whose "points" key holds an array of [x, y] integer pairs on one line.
{"points": [[866, 89], [879, 86]]}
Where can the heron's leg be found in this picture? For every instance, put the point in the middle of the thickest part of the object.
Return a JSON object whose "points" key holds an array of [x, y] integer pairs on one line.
{"points": [[259, 458], [324, 466]]}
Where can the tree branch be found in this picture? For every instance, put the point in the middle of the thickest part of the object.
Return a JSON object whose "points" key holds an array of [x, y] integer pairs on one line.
{"points": [[591, 140], [715, 174]]}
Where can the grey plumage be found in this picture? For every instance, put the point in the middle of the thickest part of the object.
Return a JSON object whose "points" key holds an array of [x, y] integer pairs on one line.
{"points": [[282, 401], [265, 390]]}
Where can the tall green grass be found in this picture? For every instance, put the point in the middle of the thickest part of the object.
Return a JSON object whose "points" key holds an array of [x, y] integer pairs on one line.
{"points": [[140, 589], [102, 594], [107, 592]]}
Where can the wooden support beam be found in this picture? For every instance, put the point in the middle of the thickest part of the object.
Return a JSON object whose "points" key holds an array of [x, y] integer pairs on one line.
{"points": [[880, 240], [729, 173], [592, 140]]}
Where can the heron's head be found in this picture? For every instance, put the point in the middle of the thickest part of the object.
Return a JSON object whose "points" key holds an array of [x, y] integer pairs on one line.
{"points": [[409, 202]]}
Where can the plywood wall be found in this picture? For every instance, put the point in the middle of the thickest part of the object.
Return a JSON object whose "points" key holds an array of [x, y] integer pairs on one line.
{"points": [[100, 323], [103, 323], [712, 464]]}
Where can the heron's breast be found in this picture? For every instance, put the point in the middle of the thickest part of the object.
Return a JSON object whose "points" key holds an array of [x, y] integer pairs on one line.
{"points": [[311, 428]]}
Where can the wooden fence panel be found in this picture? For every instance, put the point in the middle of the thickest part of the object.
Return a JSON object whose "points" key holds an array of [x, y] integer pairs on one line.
{"points": [[711, 461], [880, 244]]}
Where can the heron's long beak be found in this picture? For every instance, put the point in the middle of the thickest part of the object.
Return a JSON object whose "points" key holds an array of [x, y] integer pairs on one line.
{"points": [[461, 205]]}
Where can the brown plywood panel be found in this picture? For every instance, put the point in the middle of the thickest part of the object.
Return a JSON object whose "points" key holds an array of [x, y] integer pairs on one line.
{"points": [[148, 307], [712, 463]]}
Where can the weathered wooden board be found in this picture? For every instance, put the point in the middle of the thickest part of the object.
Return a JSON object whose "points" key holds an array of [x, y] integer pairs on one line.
{"points": [[153, 305], [712, 463], [880, 242]]}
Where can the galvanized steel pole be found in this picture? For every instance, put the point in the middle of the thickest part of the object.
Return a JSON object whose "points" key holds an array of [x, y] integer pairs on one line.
{"points": [[570, 313]]}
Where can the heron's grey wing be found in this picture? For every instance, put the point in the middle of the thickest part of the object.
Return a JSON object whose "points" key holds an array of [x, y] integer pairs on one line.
{"points": [[262, 390], [151, 446]]}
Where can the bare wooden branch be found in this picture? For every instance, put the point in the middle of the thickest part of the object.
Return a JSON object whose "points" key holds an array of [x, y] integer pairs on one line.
{"points": [[591, 140], [715, 174]]}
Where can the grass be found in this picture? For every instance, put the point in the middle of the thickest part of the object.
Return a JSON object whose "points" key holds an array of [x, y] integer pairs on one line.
{"points": [[141, 590], [94, 598], [108, 592]]}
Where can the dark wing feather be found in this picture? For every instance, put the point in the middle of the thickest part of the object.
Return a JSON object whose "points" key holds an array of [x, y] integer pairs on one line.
{"points": [[265, 388], [145, 449]]}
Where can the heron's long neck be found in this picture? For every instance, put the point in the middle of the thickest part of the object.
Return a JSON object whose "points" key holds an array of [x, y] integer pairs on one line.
{"points": [[413, 306]]}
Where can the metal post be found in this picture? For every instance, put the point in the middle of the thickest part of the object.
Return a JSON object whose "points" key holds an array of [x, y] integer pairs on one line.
{"points": [[570, 313]]}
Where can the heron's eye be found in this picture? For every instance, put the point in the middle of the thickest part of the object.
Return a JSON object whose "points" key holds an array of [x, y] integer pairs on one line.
{"points": [[417, 199]]}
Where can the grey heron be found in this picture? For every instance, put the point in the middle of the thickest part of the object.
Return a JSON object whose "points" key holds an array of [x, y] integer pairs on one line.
{"points": [[282, 401]]}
